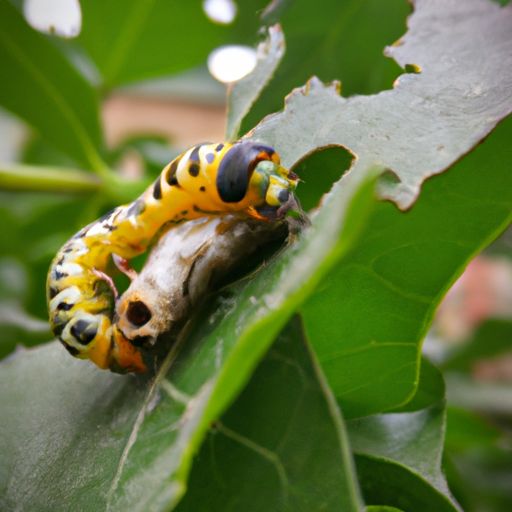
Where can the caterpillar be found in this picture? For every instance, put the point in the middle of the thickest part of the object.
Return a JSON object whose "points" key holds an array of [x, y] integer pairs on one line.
{"points": [[208, 179]]}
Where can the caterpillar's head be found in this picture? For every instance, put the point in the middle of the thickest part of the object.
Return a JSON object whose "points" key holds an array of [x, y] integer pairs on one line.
{"points": [[251, 173]]}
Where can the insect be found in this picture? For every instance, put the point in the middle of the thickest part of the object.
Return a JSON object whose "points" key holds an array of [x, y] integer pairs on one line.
{"points": [[208, 179]]}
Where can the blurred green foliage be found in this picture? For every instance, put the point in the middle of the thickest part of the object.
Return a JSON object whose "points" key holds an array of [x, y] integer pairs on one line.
{"points": [[342, 410]]}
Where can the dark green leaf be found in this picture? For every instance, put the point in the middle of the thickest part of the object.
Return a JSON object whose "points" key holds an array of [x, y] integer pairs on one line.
{"points": [[481, 480], [381, 300], [466, 430], [131, 40], [45, 90], [430, 390], [340, 40], [381, 508], [398, 458], [281, 446]]}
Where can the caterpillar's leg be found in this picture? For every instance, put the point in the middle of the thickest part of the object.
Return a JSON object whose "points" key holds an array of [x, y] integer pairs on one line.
{"points": [[124, 266], [89, 336], [108, 280]]}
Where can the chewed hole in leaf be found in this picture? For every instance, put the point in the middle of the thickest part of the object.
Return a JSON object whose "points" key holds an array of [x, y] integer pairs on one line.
{"points": [[389, 178], [318, 171], [412, 68], [388, 182]]}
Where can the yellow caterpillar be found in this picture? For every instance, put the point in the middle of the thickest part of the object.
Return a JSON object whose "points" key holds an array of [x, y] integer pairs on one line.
{"points": [[208, 179]]}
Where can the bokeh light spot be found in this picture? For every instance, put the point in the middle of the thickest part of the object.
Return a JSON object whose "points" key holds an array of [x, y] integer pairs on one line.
{"points": [[231, 63]]}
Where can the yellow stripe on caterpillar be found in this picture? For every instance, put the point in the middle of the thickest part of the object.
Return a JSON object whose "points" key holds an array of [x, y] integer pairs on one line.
{"points": [[207, 179]]}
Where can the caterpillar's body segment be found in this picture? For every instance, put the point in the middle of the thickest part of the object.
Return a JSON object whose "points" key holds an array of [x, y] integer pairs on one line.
{"points": [[207, 179]]}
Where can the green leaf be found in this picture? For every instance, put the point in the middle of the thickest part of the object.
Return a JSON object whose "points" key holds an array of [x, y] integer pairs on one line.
{"points": [[46, 91], [281, 446], [492, 339], [341, 40], [430, 390], [132, 40], [132, 442], [398, 458], [380, 302], [381, 508], [481, 479], [402, 129], [466, 430], [34, 226], [243, 93]]}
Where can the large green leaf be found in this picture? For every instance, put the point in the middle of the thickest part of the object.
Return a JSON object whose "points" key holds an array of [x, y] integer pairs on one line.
{"points": [[282, 445], [127, 443], [380, 301], [398, 458], [131, 40], [334, 40], [42, 87], [428, 120]]}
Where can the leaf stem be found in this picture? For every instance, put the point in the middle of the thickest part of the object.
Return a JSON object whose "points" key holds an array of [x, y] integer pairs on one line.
{"points": [[28, 178], [48, 179]]}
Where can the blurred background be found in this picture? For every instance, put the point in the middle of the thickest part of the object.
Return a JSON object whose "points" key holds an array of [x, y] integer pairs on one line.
{"points": [[162, 88]]}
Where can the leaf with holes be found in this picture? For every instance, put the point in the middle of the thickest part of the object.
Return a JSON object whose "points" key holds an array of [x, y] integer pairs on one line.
{"points": [[429, 119], [381, 300], [341, 40]]}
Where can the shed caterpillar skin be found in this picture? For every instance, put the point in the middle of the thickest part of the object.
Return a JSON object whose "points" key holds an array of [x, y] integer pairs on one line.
{"points": [[208, 179]]}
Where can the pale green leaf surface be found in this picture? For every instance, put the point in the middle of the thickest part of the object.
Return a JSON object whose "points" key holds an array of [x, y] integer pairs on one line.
{"points": [[428, 120]]}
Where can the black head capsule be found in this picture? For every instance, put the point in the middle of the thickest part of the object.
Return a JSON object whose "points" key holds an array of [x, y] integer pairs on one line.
{"points": [[236, 169]]}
